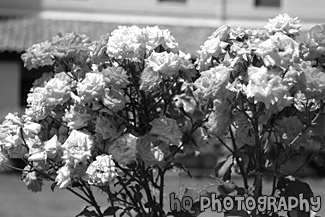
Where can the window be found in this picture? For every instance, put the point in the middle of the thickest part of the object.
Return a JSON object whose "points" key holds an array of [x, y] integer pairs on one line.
{"points": [[268, 3]]}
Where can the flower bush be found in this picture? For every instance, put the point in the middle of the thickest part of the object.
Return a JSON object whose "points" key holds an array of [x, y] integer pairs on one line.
{"points": [[115, 114]]}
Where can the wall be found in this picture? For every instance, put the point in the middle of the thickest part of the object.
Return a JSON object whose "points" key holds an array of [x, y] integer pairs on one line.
{"points": [[10, 87], [236, 9]]}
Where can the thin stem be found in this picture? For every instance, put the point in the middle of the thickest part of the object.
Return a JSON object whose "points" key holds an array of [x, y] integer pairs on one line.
{"points": [[225, 144], [258, 163], [111, 198], [161, 191], [242, 172], [92, 198]]}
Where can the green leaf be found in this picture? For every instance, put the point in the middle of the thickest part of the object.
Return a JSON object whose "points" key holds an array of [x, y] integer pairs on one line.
{"points": [[110, 211], [87, 213]]}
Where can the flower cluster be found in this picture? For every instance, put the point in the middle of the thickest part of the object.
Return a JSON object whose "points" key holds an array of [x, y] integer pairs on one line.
{"points": [[105, 106], [120, 110]]}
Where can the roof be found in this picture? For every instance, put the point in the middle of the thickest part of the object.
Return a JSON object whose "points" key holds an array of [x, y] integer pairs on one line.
{"points": [[18, 34]]}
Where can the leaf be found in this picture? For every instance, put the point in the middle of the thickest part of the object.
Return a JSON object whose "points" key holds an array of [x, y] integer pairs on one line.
{"points": [[54, 184], [291, 187], [110, 211], [316, 31], [87, 213], [126, 210], [224, 166]]}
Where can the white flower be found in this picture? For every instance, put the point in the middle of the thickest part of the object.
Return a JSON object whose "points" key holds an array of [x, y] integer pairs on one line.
{"points": [[123, 150], [212, 83], [31, 128], [167, 130], [101, 171], [10, 136], [52, 147], [127, 43], [63, 178], [158, 37], [266, 86], [150, 80], [167, 64], [212, 48], [57, 89], [92, 87], [77, 148], [279, 50], [285, 24]]}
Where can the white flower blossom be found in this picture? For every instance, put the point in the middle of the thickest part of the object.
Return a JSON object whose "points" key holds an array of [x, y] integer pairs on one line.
{"points": [[101, 171], [77, 148]]}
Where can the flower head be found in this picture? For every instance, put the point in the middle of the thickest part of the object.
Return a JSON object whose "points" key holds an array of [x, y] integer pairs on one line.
{"points": [[285, 24], [212, 48], [127, 43], [101, 171], [77, 148], [150, 80], [167, 64], [157, 37], [38, 55], [266, 86], [279, 50], [212, 83], [92, 87]]}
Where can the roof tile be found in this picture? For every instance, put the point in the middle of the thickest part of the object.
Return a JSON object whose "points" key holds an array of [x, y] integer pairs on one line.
{"points": [[18, 34]]}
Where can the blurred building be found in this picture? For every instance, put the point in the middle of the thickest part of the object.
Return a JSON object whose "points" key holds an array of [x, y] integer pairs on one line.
{"points": [[25, 22]]}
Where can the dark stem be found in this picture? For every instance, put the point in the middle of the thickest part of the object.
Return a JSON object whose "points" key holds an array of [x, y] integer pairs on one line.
{"points": [[242, 171], [161, 191]]}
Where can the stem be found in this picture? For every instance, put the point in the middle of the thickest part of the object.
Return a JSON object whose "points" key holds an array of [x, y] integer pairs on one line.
{"points": [[111, 199], [258, 163], [131, 197], [242, 172], [92, 198], [161, 191]]}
